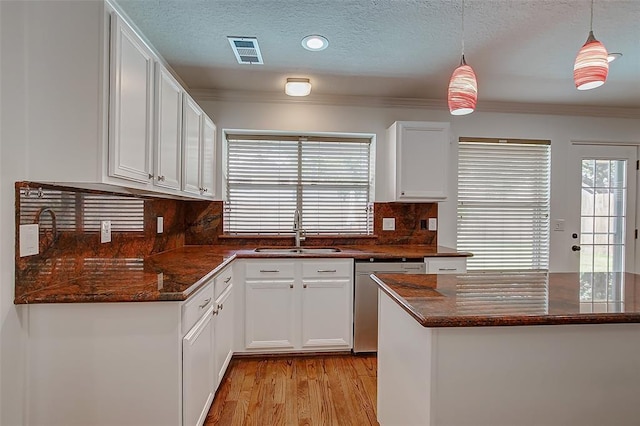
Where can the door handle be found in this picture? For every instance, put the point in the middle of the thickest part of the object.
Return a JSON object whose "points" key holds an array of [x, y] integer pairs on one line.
{"points": [[575, 248]]}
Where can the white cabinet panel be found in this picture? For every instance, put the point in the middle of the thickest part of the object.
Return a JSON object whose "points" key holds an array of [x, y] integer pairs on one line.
{"points": [[326, 313], [192, 141], [168, 146], [198, 371], [208, 161], [131, 104], [446, 265], [419, 161], [223, 333], [270, 319]]}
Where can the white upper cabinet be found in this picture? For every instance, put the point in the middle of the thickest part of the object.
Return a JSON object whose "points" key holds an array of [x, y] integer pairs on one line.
{"points": [[109, 103], [199, 139], [192, 145], [131, 104], [418, 161], [168, 136], [208, 164]]}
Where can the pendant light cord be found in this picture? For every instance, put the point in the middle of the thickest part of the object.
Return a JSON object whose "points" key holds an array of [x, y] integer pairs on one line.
{"points": [[463, 25], [591, 25]]}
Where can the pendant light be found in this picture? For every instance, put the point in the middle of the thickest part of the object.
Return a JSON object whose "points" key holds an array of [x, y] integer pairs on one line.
{"points": [[463, 87], [592, 66]]}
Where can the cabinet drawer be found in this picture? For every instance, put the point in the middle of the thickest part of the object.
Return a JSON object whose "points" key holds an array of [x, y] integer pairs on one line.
{"points": [[267, 270], [446, 265], [327, 268], [196, 306], [222, 281]]}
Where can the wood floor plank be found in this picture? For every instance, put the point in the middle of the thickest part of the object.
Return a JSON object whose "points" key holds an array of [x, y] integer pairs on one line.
{"points": [[332, 390]]}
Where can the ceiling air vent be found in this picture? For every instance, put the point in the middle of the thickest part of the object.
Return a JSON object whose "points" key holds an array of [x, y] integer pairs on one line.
{"points": [[246, 50]]}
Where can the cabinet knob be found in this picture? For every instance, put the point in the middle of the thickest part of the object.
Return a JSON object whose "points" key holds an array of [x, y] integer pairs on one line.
{"points": [[304, 286], [290, 285], [161, 178]]}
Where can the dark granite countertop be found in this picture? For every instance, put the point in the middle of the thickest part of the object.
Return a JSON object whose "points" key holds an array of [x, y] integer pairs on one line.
{"points": [[169, 276], [515, 298]]}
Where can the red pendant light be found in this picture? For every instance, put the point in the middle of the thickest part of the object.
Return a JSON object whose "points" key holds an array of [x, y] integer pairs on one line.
{"points": [[592, 65], [463, 90], [463, 86]]}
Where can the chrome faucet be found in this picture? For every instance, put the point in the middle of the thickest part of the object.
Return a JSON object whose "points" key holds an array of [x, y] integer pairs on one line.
{"points": [[297, 227]]}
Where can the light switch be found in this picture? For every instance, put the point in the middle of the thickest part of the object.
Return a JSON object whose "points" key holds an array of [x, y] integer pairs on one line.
{"points": [[105, 231], [389, 224], [29, 240], [558, 225], [433, 224], [160, 227]]}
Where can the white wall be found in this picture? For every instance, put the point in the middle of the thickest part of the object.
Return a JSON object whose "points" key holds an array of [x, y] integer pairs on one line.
{"points": [[13, 140], [561, 130]]}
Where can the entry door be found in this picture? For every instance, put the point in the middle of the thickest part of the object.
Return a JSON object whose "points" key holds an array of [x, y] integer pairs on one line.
{"points": [[604, 193]]}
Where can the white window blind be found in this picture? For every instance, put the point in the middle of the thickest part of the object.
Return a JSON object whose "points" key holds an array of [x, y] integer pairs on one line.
{"points": [[503, 204], [268, 177]]}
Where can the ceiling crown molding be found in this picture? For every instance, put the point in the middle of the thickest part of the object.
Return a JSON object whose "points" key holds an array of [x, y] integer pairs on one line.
{"points": [[390, 102]]}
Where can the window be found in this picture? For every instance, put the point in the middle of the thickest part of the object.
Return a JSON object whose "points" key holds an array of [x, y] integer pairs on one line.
{"points": [[503, 203], [268, 177]]}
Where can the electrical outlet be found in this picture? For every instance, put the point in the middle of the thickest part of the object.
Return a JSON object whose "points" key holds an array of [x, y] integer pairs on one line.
{"points": [[389, 224], [29, 240], [105, 231], [160, 227], [433, 224]]}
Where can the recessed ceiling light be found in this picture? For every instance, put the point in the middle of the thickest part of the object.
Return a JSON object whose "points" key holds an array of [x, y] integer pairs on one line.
{"points": [[613, 56], [315, 42]]}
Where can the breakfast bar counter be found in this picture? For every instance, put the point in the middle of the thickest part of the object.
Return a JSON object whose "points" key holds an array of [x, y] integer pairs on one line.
{"points": [[509, 348]]}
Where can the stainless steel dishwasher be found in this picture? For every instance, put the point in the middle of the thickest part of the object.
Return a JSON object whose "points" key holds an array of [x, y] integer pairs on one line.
{"points": [[365, 305]]}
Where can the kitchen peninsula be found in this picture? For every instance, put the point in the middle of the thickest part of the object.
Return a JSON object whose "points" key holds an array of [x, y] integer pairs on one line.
{"points": [[512, 348]]}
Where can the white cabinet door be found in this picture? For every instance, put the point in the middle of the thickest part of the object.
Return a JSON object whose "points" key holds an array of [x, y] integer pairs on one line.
{"points": [[269, 314], [198, 371], [422, 160], [131, 104], [326, 313], [223, 333], [192, 145], [208, 160], [168, 136]]}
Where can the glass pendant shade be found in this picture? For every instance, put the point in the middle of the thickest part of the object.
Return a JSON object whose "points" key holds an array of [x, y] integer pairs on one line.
{"points": [[463, 90], [591, 67]]}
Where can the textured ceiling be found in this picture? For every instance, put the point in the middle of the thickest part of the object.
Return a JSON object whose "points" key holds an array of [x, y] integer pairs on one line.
{"points": [[521, 50]]}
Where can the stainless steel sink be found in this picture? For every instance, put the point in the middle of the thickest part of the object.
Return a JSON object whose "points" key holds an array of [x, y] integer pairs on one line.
{"points": [[300, 250]]}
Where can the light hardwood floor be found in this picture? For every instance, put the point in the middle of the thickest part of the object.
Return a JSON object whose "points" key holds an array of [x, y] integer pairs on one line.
{"points": [[318, 390]]}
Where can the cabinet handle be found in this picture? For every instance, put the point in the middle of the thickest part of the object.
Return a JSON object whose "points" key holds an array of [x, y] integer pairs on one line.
{"points": [[205, 189], [304, 286], [221, 306], [326, 270], [412, 269], [269, 270], [447, 269], [150, 176], [290, 285], [206, 302], [215, 312], [160, 178], [227, 280]]}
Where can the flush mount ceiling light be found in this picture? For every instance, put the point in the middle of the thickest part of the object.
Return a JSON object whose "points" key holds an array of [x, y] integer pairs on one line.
{"points": [[592, 66], [463, 86], [315, 42], [297, 87], [612, 56]]}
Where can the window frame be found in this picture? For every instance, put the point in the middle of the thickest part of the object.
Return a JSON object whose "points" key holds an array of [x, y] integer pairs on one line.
{"points": [[296, 136]]}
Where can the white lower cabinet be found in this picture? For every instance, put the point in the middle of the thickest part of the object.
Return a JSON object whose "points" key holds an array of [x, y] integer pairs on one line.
{"points": [[223, 333], [298, 305], [131, 363], [198, 367], [446, 265]]}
